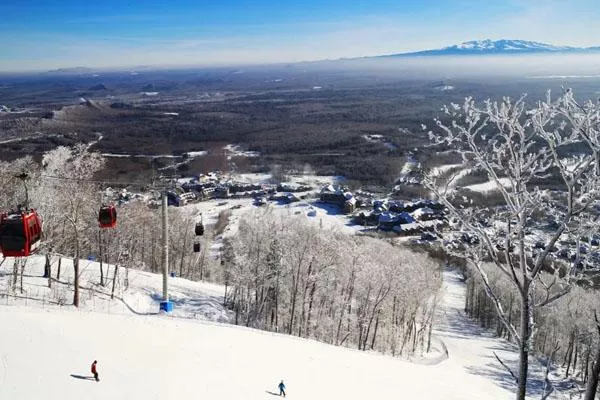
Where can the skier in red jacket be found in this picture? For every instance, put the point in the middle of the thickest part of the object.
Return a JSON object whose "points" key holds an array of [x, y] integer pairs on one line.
{"points": [[95, 371]]}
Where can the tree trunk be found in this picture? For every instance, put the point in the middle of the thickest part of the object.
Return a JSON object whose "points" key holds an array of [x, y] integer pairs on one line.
{"points": [[570, 353], [76, 277], [143, 247], [575, 357], [346, 304], [375, 330], [277, 303], [152, 255], [58, 268], [47, 267], [202, 261], [23, 262], [183, 252], [294, 296], [100, 251], [592, 384], [15, 279], [112, 291], [311, 298], [524, 343]]}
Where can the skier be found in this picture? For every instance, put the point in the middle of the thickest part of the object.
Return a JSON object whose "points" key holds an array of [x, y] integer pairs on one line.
{"points": [[95, 371], [281, 389]]}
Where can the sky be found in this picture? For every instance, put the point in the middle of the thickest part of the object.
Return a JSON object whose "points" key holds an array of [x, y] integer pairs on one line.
{"points": [[48, 34]]}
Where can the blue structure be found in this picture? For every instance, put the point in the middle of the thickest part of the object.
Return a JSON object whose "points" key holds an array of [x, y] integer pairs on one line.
{"points": [[166, 306]]}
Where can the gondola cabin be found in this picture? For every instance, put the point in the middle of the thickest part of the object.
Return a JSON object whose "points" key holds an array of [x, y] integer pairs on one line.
{"points": [[107, 217], [196, 247], [20, 233], [199, 229]]}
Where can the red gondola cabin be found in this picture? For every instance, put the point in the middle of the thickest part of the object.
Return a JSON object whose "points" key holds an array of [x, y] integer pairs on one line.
{"points": [[107, 217], [20, 233]]}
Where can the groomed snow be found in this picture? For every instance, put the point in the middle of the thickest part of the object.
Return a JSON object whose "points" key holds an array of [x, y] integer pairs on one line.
{"points": [[44, 354]]}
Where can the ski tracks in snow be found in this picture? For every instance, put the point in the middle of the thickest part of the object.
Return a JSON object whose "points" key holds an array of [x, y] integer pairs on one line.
{"points": [[471, 348]]}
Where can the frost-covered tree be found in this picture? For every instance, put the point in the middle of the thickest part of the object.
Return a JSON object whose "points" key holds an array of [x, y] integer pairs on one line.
{"points": [[592, 386], [544, 162], [17, 179], [70, 202], [285, 274]]}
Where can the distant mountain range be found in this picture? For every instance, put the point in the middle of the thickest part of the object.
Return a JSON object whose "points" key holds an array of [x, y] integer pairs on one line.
{"points": [[504, 46], [470, 48]]}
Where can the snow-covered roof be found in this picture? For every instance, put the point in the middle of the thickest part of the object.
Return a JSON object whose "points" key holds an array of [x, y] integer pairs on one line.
{"points": [[389, 217]]}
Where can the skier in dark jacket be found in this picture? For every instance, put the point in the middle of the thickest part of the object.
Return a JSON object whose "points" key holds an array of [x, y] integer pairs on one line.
{"points": [[281, 389], [95, 371]]}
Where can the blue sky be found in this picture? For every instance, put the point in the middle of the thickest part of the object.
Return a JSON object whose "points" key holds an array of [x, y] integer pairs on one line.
{"points": [[48, 34]]}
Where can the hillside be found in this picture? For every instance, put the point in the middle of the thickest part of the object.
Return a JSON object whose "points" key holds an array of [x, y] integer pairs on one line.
{"points": [[46, 351]]}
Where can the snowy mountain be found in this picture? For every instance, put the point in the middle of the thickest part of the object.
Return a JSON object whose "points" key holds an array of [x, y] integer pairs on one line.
{"points": [[504, 46]]}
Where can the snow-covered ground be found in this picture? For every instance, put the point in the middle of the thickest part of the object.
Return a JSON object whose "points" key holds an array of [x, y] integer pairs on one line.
{"points": [[442, 169], [45, 353], [192, 299], [234, 150], [488, 186], [326, 215], [457, 177], [455, 173], [373, 138], [471, 352]]}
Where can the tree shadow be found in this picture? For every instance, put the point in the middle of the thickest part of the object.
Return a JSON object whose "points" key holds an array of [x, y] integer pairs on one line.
{"points": [[85, 378]]}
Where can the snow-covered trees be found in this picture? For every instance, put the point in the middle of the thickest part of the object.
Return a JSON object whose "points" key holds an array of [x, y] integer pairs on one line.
{"points": [[544, 162], [69, 202], [286, 275]]}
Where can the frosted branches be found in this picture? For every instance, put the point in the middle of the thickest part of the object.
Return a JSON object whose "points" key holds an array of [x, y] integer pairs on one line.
{"points": [[544, 164]]}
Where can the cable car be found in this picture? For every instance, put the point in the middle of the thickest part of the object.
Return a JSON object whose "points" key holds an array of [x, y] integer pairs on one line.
{"points": [[197, 247], [20, 233], [199, 229], [107, 217]]}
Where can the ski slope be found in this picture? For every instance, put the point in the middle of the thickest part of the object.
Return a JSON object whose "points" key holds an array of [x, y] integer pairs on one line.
{"points": [[44, 353]]}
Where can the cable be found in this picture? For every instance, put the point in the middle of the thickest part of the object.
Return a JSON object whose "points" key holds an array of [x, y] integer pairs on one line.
{"points": [[114, 183], [110, 183]]}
